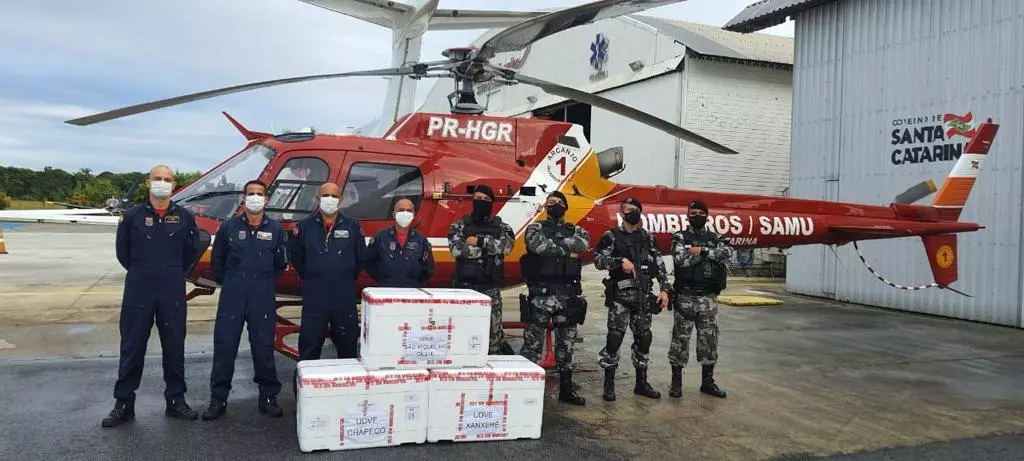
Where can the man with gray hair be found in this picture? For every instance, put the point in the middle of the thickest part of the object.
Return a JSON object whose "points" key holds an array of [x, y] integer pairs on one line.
{"points": [[158, 244]]}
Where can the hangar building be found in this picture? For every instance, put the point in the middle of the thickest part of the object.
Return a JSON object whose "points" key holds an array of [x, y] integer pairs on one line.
{"points": [[733, 88], [879, 86]]}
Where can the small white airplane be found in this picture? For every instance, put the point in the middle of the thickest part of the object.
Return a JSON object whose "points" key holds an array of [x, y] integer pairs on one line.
{"points": [[78, 216], [408, 22]]}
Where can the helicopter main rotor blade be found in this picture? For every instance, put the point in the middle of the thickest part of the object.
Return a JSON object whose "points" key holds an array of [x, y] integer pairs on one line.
{"points": [[612, 106], [419, 68], [524, 33]]}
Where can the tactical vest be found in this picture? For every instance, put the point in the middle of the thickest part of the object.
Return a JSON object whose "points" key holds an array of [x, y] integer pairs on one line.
{"points": [[633, 246], [488, 269], [549, 269], [705, 277]]}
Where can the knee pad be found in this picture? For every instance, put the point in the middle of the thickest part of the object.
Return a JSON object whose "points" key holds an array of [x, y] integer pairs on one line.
{"points": [[644, 340], [615, 339]]}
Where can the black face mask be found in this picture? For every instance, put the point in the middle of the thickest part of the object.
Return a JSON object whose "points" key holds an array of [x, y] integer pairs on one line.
{"points": [[633, 217], [697, 222], [556, 211], [481, 209]]}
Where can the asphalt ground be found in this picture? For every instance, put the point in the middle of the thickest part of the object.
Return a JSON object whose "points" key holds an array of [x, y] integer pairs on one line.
{"points": [[807, 379]]}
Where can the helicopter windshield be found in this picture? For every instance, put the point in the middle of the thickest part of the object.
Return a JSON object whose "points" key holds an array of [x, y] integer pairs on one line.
{"points": [[218, 193]]}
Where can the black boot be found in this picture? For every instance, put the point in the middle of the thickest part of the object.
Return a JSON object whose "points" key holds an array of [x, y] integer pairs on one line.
{"points": [[123, 412], [609, 384], [565, 391], [268, 406], [643, 387], [676, 390], [707, 382], [215, 410], [178, 408]]}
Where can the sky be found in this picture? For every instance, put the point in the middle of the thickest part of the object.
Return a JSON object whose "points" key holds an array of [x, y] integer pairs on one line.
{"points": [[69, 58]]}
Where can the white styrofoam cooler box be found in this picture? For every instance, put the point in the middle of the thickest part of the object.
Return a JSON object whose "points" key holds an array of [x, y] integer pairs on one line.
{"points": [[503, 400], [341, 405], [406, 328]]}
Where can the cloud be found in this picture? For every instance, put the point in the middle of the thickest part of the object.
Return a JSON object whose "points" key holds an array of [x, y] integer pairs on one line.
{"points": [[68, 58]]}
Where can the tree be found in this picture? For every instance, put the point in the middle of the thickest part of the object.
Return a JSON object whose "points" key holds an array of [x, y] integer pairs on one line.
{"points": [[5, 201], [79, 198], [81, 187], [98, 191]]}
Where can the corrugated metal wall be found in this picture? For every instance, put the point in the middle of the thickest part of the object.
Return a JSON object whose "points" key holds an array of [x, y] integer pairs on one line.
{"points": [[865, 69]]}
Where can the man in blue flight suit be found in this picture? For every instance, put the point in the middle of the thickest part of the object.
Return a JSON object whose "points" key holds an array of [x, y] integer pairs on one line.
{"points": [[248, 256], [158, 245], [327, 252], [399, 256]]}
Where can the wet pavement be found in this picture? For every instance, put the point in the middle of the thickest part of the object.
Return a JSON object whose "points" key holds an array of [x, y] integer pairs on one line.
{"points": [[806, 378]]}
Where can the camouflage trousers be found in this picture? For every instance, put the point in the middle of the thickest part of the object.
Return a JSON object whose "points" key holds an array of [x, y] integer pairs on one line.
{"points": [[497, 336], [623, 311], [548, 308], [706, 325]]}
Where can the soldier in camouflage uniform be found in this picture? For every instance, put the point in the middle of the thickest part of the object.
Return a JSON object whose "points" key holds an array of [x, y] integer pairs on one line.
{"points": [[630, 256], [699, 255], [552, 269], [479, 242]]}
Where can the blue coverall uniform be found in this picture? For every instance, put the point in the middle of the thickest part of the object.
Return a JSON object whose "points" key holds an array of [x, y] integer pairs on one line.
{"points": [[328, 261], [158, 253], [246, 261], [392, 264]]}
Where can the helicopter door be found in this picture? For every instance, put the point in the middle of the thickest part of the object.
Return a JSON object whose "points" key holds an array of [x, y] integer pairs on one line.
{"points": [[374, 183]]}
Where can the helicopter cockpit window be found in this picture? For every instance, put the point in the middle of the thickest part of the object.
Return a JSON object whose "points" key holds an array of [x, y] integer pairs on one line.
{"points": [[372, 189], [219, 193], [293, 194]]}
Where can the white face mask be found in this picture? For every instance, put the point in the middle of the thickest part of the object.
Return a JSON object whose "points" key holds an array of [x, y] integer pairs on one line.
{"points": [[403, 218], [328, 205], [160, 189], [254, 203]]}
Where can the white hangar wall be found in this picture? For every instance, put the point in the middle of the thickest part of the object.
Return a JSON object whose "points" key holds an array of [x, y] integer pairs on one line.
{"points": [[747, 107], [649, 154], [867, 73]]}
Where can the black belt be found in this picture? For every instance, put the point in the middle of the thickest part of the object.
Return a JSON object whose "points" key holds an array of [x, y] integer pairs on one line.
{"points": [[568, 289]]}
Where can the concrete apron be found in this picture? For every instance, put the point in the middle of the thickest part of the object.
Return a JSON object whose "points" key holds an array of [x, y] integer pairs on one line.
{"points": [[805, 376]]}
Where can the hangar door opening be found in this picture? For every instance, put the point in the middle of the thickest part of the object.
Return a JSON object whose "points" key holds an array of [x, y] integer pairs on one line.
{"points": [[569, 111]]}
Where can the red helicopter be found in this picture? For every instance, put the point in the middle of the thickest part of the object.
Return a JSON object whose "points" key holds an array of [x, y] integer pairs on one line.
{"points": [[436, 159]]}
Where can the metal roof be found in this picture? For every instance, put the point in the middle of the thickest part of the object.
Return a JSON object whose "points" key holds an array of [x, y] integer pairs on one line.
{"points": [[713, 41], [768, 13]]}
